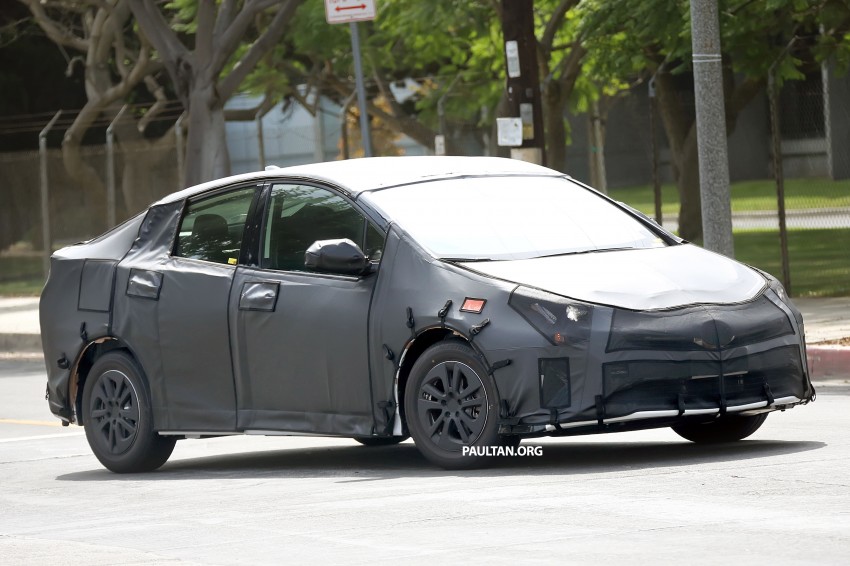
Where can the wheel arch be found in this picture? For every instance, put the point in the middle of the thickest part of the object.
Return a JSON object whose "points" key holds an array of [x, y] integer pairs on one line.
{"points": [[86, 359], [417, 346]]}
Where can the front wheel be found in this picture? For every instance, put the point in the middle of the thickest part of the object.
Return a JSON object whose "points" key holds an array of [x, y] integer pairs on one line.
{"points": [[117, 417], [451, 405], [729, 428]]}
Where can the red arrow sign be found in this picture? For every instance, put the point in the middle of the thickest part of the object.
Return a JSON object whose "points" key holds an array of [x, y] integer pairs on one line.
{"points": [[347, 11]]}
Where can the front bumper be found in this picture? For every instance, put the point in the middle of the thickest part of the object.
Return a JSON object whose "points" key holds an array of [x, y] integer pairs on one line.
{"points": [[652, 369]]}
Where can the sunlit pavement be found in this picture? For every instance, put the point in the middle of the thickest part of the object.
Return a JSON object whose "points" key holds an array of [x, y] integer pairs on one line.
{"points": [[781, 496]]}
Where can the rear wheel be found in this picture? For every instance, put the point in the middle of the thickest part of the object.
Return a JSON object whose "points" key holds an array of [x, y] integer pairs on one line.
{"points": [[451, 403], [728, 428], [380, 440], [117, 417]]}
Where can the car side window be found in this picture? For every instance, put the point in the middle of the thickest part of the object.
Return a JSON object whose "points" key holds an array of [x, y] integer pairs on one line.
{"points": [[299, 215], [212, 229]]}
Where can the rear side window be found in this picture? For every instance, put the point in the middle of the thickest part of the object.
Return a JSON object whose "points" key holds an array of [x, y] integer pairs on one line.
{"points": [[212, 229]]}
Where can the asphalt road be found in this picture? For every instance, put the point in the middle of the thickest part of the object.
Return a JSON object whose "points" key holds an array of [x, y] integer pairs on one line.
{"points": [[781, 497]]}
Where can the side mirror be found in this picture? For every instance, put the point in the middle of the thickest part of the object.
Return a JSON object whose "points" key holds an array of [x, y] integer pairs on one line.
{"points": [[342, 257]]}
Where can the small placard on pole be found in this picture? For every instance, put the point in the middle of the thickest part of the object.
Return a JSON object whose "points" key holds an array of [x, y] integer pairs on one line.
{"points": [[439, 144], [509, 131], [512, 57]]}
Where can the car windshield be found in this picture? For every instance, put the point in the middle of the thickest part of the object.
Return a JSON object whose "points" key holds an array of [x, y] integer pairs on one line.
{"points": [[511, 217]]}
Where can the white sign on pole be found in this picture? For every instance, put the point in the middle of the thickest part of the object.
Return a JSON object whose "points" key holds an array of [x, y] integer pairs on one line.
{"points": [[509, 131], [512, 55], [439, 144], [345, 11]]}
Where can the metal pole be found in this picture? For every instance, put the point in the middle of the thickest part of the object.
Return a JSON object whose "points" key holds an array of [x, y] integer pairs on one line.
{"points": [[361, 90], [46, 238], [178, 134], [110, 168], [261, 143], [599, 150], [772, 94], [653, 142], [441, 114], [711, 128], [318, 131], [343, 126]]}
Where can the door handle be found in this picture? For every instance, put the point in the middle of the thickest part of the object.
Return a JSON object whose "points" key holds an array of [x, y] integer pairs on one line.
{"points": [[259, 296]]}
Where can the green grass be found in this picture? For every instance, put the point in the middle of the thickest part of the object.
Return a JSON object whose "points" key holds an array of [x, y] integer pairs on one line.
{"points": [[20, 276], [747, 196], [819, 259]]}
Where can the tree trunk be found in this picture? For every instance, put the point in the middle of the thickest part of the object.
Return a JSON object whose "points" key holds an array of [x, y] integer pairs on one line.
{"points": [[687, 184], [554, 106], [85, 177], [207, 157], [148, 167], [680, 128]]}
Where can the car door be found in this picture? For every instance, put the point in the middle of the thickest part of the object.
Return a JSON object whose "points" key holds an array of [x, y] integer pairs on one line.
{"points": [[193, 309], [300, 337]]}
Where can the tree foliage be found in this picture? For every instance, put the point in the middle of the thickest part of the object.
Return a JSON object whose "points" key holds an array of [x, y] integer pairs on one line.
{"points": [[652, 38], [209, 48], [450, 53], [454, 54]]}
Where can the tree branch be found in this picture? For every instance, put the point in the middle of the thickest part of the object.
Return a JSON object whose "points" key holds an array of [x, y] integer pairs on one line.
{"points": [[273, 33], [143, 67], [204, 48], [224, 18], [54, 31], [157, 30], [569, 68], [228, 41], [554, 23]]}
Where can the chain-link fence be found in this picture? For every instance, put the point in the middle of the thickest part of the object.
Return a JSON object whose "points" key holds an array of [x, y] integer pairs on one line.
{"points": [[79, 206], [814, 142]]}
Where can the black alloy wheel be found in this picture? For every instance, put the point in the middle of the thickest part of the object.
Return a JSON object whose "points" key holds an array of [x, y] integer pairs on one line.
{"points": [[114, 411], [117, 417], [451, 402]]}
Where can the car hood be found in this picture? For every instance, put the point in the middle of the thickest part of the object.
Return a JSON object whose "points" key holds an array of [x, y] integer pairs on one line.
{"points": [[655, 278]]}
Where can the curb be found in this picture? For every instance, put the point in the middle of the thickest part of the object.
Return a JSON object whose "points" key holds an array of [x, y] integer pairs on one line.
{"points": [[20, 343], [828, 362]]}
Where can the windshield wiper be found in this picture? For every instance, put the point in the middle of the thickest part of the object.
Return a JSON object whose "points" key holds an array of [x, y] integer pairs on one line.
{"points": [[591, 251]]}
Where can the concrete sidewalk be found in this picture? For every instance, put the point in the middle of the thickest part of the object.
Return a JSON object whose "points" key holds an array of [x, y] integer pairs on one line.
{"points": [[827, 332]]}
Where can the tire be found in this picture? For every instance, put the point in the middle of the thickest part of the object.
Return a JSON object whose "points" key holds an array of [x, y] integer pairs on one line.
{"points": [[724, 429], [381, 440], [117, 417], [450, 402]]}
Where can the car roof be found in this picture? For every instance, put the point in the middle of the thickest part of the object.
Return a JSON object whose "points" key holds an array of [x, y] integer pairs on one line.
{"points": [[371, 173]]}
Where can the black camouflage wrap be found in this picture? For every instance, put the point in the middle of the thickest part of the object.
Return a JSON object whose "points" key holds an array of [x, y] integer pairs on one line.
{"points": [[235, 348]]}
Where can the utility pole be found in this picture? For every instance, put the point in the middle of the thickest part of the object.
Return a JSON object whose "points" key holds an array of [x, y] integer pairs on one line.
{"points": [[523, 130], [711, 128]]}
